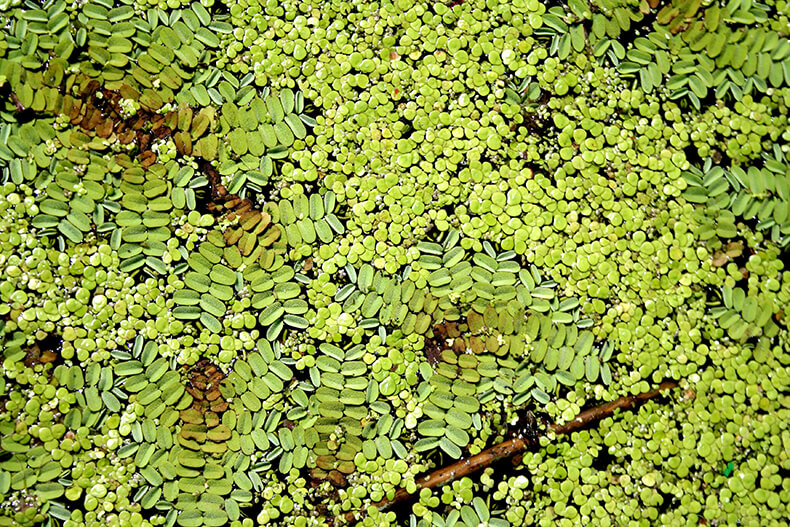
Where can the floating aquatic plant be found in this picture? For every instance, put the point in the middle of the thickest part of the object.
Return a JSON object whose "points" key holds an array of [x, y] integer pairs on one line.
{"points": [[282, 263]]}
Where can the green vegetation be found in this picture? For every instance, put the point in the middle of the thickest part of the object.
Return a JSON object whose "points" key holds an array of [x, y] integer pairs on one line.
{"points": [[269, 262]]}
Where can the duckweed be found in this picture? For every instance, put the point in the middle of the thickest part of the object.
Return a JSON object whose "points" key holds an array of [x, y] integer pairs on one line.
{"points": [[270, 262]]}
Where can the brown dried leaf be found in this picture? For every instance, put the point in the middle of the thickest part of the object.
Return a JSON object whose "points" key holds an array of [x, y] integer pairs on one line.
{"points": [[734, 249], [347, 467], [326, 462], [250, 219], [719, 259], [219, 406], [104, 128], [196, 393], [147, 159], [337, 478], [126, 137], [183, 143]]}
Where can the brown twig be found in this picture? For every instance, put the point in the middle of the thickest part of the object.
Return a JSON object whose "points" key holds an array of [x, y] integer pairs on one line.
{"points": [[19, 106], [606, 409], [511, 447]]}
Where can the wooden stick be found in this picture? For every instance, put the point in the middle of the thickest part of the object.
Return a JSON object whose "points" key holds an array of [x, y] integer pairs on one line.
{"points": [[511, 447], [606, 409]]}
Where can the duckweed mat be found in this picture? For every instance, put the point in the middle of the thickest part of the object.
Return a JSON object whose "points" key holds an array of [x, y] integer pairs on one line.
{"points": [[271, 263]]}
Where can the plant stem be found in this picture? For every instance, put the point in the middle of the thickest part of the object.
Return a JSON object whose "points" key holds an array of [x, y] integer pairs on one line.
{"points": [[511, 447]]}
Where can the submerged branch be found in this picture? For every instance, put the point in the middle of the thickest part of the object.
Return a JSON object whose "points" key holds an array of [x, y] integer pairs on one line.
{"points": [[511, 447]]}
